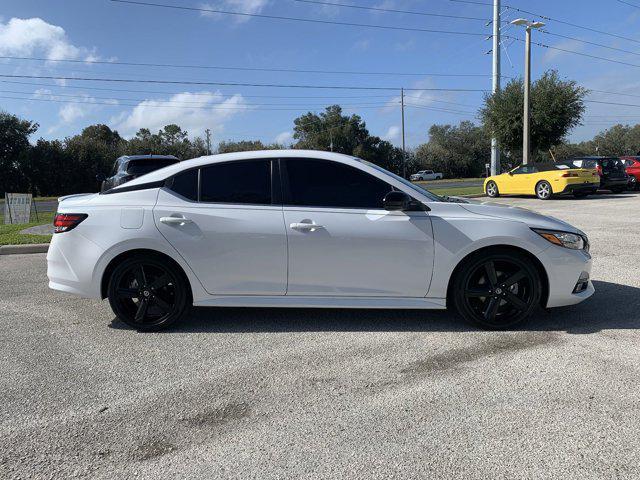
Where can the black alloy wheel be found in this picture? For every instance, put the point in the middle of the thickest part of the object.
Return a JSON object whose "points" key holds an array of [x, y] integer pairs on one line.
{"points": [[633, 183], [497, 290], [148, 293]]}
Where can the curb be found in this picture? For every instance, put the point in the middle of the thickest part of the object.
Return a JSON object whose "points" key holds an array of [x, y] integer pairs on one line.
{"points": [[24, 249]]}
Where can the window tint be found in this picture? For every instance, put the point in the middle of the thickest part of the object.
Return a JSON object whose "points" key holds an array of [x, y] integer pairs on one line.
{"points": [[146, 165], [186, 184], [322, 183], [237, 182], [525, 169]]}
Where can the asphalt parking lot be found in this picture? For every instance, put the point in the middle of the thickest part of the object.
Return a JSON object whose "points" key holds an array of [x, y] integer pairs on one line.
{"points": [[241, 393]]}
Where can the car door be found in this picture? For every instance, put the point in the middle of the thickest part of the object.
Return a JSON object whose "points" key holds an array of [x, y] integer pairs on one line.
{"points": [[342, 242], [522, 180], [226, 222]]}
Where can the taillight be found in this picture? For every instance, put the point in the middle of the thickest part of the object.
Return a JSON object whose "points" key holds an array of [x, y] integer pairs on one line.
{"points": [[63, 222], [570, 174]]}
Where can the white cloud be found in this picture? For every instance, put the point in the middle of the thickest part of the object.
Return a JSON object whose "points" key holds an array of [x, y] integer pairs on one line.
{"points": [[193, 111], [284, 138], [393, 133], [551, 55], [240, 6], [361, 45], [27, 37]]}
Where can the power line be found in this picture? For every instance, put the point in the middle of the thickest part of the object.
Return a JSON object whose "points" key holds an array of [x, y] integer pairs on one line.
{"points": [[245, 69], [164, 92], [571, 24], [297, 19], [612, 103], [390, 10], [614, 93], [587, 42], [588, 55], [234, 84], [184, 103], [247, 107]]}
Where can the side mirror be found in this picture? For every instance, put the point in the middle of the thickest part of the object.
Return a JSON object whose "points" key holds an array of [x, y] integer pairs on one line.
{"points": [[396, 200], [100, 177]]}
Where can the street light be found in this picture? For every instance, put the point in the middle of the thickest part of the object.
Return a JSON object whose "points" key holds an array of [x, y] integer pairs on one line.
{"points": [[527, 83]]}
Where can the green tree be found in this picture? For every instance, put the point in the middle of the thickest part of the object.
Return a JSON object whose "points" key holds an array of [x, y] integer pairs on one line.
{"points": [[14, 150], [456, 151], [556, 107], [331, 130], [617, 140], [245, 146]]}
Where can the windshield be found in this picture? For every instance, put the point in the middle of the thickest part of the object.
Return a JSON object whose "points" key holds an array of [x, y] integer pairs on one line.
{"points": [[432, 196]]}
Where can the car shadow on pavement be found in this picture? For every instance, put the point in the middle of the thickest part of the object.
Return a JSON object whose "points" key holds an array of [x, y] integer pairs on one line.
{"points": [[613, 306]]}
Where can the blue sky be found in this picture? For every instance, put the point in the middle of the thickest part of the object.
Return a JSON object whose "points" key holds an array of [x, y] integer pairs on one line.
{"points": [[114, 32]]}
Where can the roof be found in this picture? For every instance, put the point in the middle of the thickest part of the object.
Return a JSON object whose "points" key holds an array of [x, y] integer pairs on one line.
{"points": [[168, 171]]}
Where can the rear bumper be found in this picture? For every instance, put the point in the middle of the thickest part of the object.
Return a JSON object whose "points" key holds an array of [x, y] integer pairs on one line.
{"points": [[581, 187], [606, 184]]}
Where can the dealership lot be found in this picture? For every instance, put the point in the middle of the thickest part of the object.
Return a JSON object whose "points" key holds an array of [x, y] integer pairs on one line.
{"points": [[243, 393]]}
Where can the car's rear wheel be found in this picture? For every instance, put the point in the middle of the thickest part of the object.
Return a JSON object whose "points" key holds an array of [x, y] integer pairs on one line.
{"points": [[492, 189], [543, 190], [633, 183], [496, 290], [148, 293], [580, 194]]}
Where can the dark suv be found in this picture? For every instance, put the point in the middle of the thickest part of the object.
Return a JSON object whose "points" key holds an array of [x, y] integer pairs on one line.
{"points": [[611, 170], [129, 167]]}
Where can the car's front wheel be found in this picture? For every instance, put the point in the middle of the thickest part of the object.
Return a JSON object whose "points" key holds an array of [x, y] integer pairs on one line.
{"points": [[148, 293], [492, 189], [496, 290]]}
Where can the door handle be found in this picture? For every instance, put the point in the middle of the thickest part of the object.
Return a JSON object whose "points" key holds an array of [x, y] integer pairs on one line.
{"points": [[175, 220], [305, 226]]}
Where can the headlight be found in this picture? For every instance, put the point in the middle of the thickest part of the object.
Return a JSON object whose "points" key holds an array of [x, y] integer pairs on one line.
{"points": [[564, 239]]}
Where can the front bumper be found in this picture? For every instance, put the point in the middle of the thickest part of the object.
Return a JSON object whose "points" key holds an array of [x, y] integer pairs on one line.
{"points": [[565, 269]]}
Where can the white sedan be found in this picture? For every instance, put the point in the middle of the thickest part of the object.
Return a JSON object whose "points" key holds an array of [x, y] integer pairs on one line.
{"points": [[295, 228]]}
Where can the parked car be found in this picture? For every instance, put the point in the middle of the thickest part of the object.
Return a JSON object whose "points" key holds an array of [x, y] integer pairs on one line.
{"points": [[632, 167], [544, 180], [611, 170], [128, 167], [296, 228], [426, 175]]}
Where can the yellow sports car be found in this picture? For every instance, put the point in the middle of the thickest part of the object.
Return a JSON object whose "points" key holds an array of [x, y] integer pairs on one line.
{"points": [[543, 180]]}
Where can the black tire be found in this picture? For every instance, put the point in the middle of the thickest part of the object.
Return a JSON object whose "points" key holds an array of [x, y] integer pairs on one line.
{"points": [[511, 285], [149, 293], [544, 190], [580, 194], [633, 183], [492, 189]]}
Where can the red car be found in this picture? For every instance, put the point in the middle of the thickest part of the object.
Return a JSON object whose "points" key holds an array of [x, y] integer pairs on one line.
{"points": [[632, 166]]}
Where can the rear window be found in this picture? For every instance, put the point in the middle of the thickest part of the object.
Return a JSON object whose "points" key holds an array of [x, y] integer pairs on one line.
{"points": [[146, 165]]}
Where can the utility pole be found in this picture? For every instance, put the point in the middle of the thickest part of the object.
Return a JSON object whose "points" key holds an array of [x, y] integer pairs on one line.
{"points": [[495, 152], [208, 134], [526, 142], [404, 154]]}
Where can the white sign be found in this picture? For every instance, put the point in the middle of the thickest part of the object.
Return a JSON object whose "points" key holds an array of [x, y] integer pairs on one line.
{"points": [[17, 207]]}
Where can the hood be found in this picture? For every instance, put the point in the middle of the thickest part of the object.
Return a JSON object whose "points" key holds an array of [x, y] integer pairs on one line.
{"points": [[518, 214]]}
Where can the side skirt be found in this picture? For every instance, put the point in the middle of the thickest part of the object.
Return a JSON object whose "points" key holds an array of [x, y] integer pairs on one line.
{"points": [[321, 302]]}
